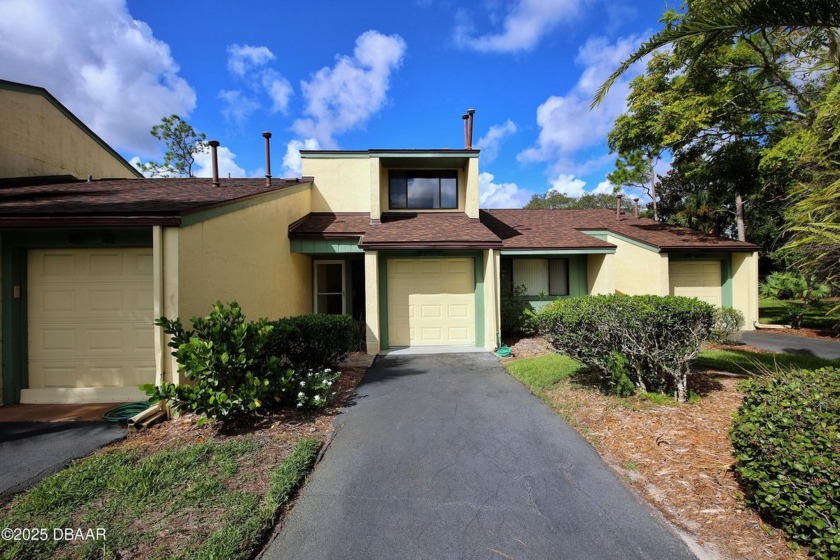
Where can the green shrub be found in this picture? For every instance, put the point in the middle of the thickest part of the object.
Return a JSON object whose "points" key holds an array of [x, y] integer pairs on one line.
{"points": [[223, 357], [727, 325], [786, 437], [516, 314], [311, 342], [656, 336]]}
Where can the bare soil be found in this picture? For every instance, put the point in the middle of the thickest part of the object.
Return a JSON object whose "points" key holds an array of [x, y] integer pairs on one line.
{"points": [[679, 458]]}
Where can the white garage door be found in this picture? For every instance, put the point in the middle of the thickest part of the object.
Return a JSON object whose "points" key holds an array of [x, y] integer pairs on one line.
{"points": [[90, 324], [698, 279], [431, 301]]}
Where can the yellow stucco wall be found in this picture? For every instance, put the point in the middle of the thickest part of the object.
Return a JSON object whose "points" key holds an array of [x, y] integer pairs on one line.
{"points": [[241, 256], [600, 274], [472, 195], [492, 322], [745, 287], [341, 184], [638, 270], [38, 139], [372, 301]]}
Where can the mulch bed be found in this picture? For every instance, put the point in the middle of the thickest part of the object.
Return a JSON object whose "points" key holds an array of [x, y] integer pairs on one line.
{"points": [[679, 458]]}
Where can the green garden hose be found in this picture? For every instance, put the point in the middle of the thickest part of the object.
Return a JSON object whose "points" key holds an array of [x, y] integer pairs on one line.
{"points": [[126, 411]]}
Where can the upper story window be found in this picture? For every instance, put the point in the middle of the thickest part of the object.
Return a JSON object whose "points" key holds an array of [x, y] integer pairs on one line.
{"points": [[422, 190]]}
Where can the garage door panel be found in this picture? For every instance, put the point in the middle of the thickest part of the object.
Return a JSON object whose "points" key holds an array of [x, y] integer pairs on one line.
{"points": [[90, 318], [431, 301], [697, 279]]}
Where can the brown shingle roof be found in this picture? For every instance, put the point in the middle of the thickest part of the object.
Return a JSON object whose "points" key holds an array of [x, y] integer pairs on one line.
{"points": [[325, 225], [525, 229], [548, 228], [118, 201], [429, 230]]}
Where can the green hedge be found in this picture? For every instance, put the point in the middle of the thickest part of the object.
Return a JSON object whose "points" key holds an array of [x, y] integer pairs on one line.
{"points": [[642, 341], [786, 437], [312, 342]]}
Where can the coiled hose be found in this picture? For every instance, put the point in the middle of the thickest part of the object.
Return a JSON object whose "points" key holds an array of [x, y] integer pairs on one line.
{"points": [[126, 411]]}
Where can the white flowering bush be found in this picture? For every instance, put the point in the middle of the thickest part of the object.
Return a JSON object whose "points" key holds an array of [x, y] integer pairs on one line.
{"points": [[314, 388]]}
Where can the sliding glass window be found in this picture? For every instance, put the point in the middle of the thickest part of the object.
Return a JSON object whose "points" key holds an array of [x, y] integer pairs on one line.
{"points": [[423, 190]]}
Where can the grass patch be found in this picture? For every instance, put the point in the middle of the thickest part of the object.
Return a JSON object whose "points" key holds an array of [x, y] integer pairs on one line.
{"points": [[544, 372], [775, 311], [742, 361], [144, 500]]}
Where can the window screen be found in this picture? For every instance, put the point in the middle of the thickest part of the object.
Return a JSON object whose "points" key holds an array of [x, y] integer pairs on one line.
{"points": [[558, 277]]}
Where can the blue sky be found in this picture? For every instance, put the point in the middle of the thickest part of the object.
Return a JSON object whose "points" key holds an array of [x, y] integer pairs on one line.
{"points": [[348, 75]]}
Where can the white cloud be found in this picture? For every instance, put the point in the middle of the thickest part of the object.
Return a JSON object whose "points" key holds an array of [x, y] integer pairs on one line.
{"points": [[244, 58], [238, 106], [500, 195], [491, 143], [105, 66], [278, 89], [291, 161], [568, 185], [605, 187], [524, 25], [248, 64], [346, 95], [203, 166], [567, 126]]}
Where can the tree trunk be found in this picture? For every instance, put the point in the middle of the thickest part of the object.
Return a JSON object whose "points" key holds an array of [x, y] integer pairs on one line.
{"points": [[653, 192], [739, 218]]}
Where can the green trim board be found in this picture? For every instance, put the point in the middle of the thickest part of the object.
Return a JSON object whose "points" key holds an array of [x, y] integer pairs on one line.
{"points": [[199, 216], [543, 252], [382, 265], [326, 246], [16, 244]]}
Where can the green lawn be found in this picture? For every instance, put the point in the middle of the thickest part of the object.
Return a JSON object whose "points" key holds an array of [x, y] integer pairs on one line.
{"points": [[544, 372], [194, 501], [778, 312]]}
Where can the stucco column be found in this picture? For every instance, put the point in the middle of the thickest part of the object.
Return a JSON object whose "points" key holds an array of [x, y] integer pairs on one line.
{"points": [[471, 202], [372, 301], [375, 189]]}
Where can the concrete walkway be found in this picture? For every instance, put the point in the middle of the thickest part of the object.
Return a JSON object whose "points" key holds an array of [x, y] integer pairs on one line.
{"points": [[792, 344], [446, 456]]}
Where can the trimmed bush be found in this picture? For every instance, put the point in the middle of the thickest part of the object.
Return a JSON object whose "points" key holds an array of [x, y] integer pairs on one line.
{"points": [[648, 339], [516, 314], [786, 437], [223, 357], [311, 342], [727, 325]]}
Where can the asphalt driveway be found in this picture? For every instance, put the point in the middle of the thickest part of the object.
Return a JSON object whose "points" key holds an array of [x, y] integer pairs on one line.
{"points": [[792, 344], [446, 456], [29, 451]]}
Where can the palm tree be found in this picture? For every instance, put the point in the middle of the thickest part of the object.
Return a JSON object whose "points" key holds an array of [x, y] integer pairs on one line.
{"points": [[718, 21]]}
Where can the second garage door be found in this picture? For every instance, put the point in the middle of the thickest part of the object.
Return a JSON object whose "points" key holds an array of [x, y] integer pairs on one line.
{"points": [[698, 279], [431, 301]]}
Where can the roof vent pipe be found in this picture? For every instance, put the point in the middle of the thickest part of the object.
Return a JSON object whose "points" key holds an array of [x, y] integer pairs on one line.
{"points": [[618, 198], [466, 118], [470, 112], [214, 144], [636, 208], [267, 136]]}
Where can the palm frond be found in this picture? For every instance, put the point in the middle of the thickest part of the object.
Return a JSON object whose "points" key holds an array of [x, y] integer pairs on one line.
{"points": [[724, 19]]}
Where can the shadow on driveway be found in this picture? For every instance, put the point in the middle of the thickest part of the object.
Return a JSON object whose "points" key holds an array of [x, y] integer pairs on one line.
{"points": [[30, 451]]}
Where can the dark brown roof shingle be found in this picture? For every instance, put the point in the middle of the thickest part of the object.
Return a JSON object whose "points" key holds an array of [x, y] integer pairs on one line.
{"points": [[429, 230], [125, 200]]}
